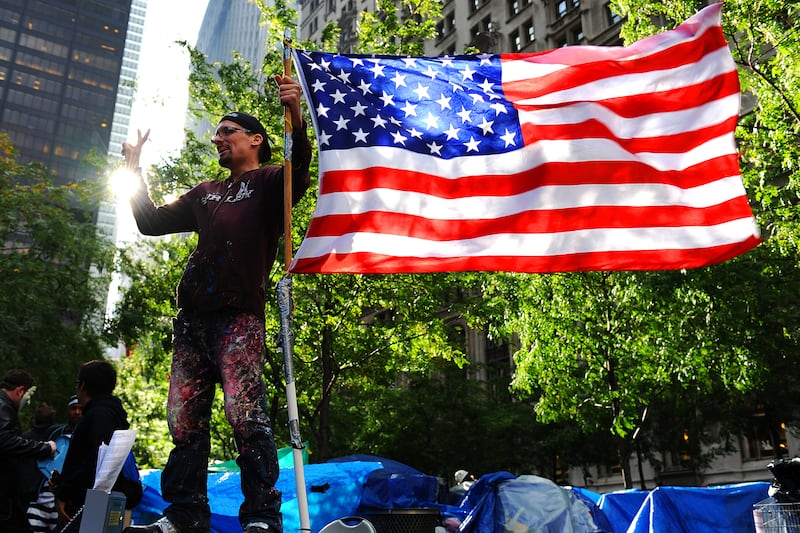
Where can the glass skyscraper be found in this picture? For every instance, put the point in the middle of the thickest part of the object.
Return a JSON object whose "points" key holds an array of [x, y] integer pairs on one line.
{"points": [[228, 26], [60, 65]]}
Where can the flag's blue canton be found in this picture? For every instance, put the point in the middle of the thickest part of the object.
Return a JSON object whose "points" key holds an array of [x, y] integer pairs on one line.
{"points": [[445, 106]]}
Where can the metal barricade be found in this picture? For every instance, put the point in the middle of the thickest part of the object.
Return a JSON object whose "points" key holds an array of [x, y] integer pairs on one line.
{"points": [[771, 516]]}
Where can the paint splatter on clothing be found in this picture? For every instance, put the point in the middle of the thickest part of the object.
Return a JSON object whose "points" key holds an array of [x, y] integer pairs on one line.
{"points": [[225, 348]]}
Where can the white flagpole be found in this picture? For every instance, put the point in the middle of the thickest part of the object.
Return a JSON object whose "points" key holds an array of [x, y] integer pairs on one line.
{"points": [[286, 306]]}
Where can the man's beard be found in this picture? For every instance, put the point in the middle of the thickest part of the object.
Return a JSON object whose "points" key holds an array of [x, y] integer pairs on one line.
{"points": [[225, 160]]}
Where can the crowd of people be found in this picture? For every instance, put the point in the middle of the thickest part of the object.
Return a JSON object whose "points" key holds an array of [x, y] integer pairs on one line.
{"points": [[35, 496]]}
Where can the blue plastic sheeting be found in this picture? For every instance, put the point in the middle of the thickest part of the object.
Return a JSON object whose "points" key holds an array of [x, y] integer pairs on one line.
{"points": [[621, 506], [394, 486], [334, 491], [724, 508], [501, 502], [46, 466], [591, 499]]}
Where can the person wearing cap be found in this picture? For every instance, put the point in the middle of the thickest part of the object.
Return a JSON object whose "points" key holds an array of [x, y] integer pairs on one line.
{"points": [[463, 481], [15, 450], [74, 414], [218, 335]]}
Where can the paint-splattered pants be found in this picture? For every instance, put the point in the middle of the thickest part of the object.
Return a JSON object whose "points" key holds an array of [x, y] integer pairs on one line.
{"points": [[226, 348]]}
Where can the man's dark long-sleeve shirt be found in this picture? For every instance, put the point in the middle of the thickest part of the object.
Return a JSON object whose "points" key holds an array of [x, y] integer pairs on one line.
{"points": [[238, 224]]}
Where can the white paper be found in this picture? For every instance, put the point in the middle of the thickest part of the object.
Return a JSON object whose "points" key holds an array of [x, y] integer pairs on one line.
{"points": [[111, 458]]}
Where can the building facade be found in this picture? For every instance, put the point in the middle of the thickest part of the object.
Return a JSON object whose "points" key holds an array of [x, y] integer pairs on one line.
{"points": [[60, 64], [126, 89], [483, 25], [230, 26]]}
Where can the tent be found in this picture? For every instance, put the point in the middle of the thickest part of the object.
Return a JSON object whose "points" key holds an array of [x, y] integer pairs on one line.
{"points": [[394, 485], [502, 502]]}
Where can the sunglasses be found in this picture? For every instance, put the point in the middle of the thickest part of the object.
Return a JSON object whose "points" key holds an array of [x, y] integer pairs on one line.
{"points": [[227, 131]]}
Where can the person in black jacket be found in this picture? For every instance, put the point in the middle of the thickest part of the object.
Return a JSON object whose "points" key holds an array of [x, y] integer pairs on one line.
{"points": [[16, 450], [103, 413]]}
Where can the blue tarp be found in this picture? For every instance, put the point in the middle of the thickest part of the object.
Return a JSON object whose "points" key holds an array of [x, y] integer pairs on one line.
{"points": [[334, 492], [46, 466], [502, 502], [352, 485], [621, 506], [724, 508], [718, 509], [394, 486]]}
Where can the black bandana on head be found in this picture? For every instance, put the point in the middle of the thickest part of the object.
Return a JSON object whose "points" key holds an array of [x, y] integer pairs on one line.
{"points": [[251, 123]]}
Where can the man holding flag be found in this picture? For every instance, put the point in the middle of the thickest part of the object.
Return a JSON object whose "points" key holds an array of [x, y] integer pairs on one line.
{"points": [[219, 330]]}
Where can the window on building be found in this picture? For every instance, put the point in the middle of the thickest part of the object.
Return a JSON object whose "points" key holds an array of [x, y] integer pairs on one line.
{"points": [[528, 30], [475, 5], [7, 35], [763, 439], [516, 42], [611, 17], [577, 35], [570, 35], [609, 470], [446, 25], [562, 7], [484, 26], [513, 7]]}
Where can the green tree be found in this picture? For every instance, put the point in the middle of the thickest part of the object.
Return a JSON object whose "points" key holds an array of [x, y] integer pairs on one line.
{"points": [[606, 349], [334, 345], [398, 28], [55, 270], [142, 322]]}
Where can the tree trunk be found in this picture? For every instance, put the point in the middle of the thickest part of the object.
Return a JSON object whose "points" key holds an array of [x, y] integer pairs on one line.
{"points": [[642, 484], [323, 449], [623, 446], [624, 456]]}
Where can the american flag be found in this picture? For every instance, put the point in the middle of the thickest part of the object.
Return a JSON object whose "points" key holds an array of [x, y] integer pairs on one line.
{"points": [[580, 158]]}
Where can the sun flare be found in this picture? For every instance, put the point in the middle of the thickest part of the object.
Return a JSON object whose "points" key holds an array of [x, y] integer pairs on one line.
{"points": [[123, 183]]}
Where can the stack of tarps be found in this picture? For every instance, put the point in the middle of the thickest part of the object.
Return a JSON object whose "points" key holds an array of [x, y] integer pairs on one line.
{"points": [[502, 502], [334, 491]]}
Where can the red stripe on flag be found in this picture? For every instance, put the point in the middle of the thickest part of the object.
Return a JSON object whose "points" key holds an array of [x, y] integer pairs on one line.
{"points": [[531, 222], [689, 97], [637, 260], [673, 57], [593, 129], [550, 174]]}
